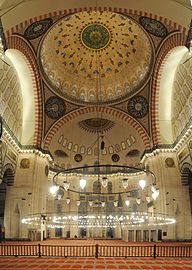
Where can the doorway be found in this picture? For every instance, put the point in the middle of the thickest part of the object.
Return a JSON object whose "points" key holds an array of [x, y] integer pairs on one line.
{"points": [[110, 233], [131, 235], [83, 232], [153, 235], [138, 235], [159, 235], [186, 179], [146, 236], [7, 182]]}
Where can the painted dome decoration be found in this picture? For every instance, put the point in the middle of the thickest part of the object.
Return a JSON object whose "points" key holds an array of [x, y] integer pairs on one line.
{"points": [[96, 57], [95, 125], [38, 28], [138, 106], [95, 36], [153, 26], [55, 107]]}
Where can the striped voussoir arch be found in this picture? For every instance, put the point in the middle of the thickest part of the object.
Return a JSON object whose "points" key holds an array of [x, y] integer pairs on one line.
{"points": [[8, 174], [17, 42], [26, 23], [174, 40], [186, 173], [110, 111], [1, 165]]}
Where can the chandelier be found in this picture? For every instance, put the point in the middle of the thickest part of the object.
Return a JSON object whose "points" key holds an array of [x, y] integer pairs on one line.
{"points": [[133, 182], [111, 196], [103, 196]]}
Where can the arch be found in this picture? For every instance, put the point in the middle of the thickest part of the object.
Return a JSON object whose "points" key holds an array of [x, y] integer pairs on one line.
{"points": [[24, 59], [157, 108], [96, 186], [186, 179], [1, 163], [186, 174], [8, 174], [18, 27], [111, 111], [109, 187], [7, 180]]}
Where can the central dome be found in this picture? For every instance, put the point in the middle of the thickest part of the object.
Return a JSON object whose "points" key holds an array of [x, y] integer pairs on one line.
{"points": [[92, 57]]}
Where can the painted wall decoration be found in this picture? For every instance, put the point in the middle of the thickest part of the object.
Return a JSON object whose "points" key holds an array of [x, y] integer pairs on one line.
{"points": [[78, 157], [38, 28], [115, 157], [55, 107], [137, 106], [25, 163], [94, 125], [169, 162], [153, 26], [60, 154]]}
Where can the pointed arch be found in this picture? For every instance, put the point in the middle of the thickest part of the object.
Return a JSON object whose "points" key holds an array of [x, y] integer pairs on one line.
{"points": [[111, 111], [157, 107], [8, 174], [23, 58], [186, 173]]}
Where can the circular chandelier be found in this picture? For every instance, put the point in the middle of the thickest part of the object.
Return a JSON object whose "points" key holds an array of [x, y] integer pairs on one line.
{"points": [[103, 196], [133, 182], [102, 220]]}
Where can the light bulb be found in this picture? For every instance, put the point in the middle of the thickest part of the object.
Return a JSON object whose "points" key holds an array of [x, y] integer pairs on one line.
{"points": [[54, 189], [125, 183], [148, 199], [142, 183], [102, 204], [78, 202], [104, 182], [83, 183], [90, 203], [155, 194], [138, 200], [59, 197], [153, 188], [127, 202], [68, 200], [66, 185], [115, 203]]}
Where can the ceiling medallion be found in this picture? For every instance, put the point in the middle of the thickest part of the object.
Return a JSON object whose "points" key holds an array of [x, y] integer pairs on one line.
{"points": [[95, 36], [78, 157], [153, 26], [55, 107], [38, 28], [138, 106], [115, 158]]}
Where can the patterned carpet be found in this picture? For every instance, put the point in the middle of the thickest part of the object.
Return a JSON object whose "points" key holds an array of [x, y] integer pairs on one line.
{"points": [[93, 263]]}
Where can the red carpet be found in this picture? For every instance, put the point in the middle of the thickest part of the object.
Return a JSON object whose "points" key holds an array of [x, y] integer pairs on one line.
{"points": [[94, 263], [91, 263]]}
